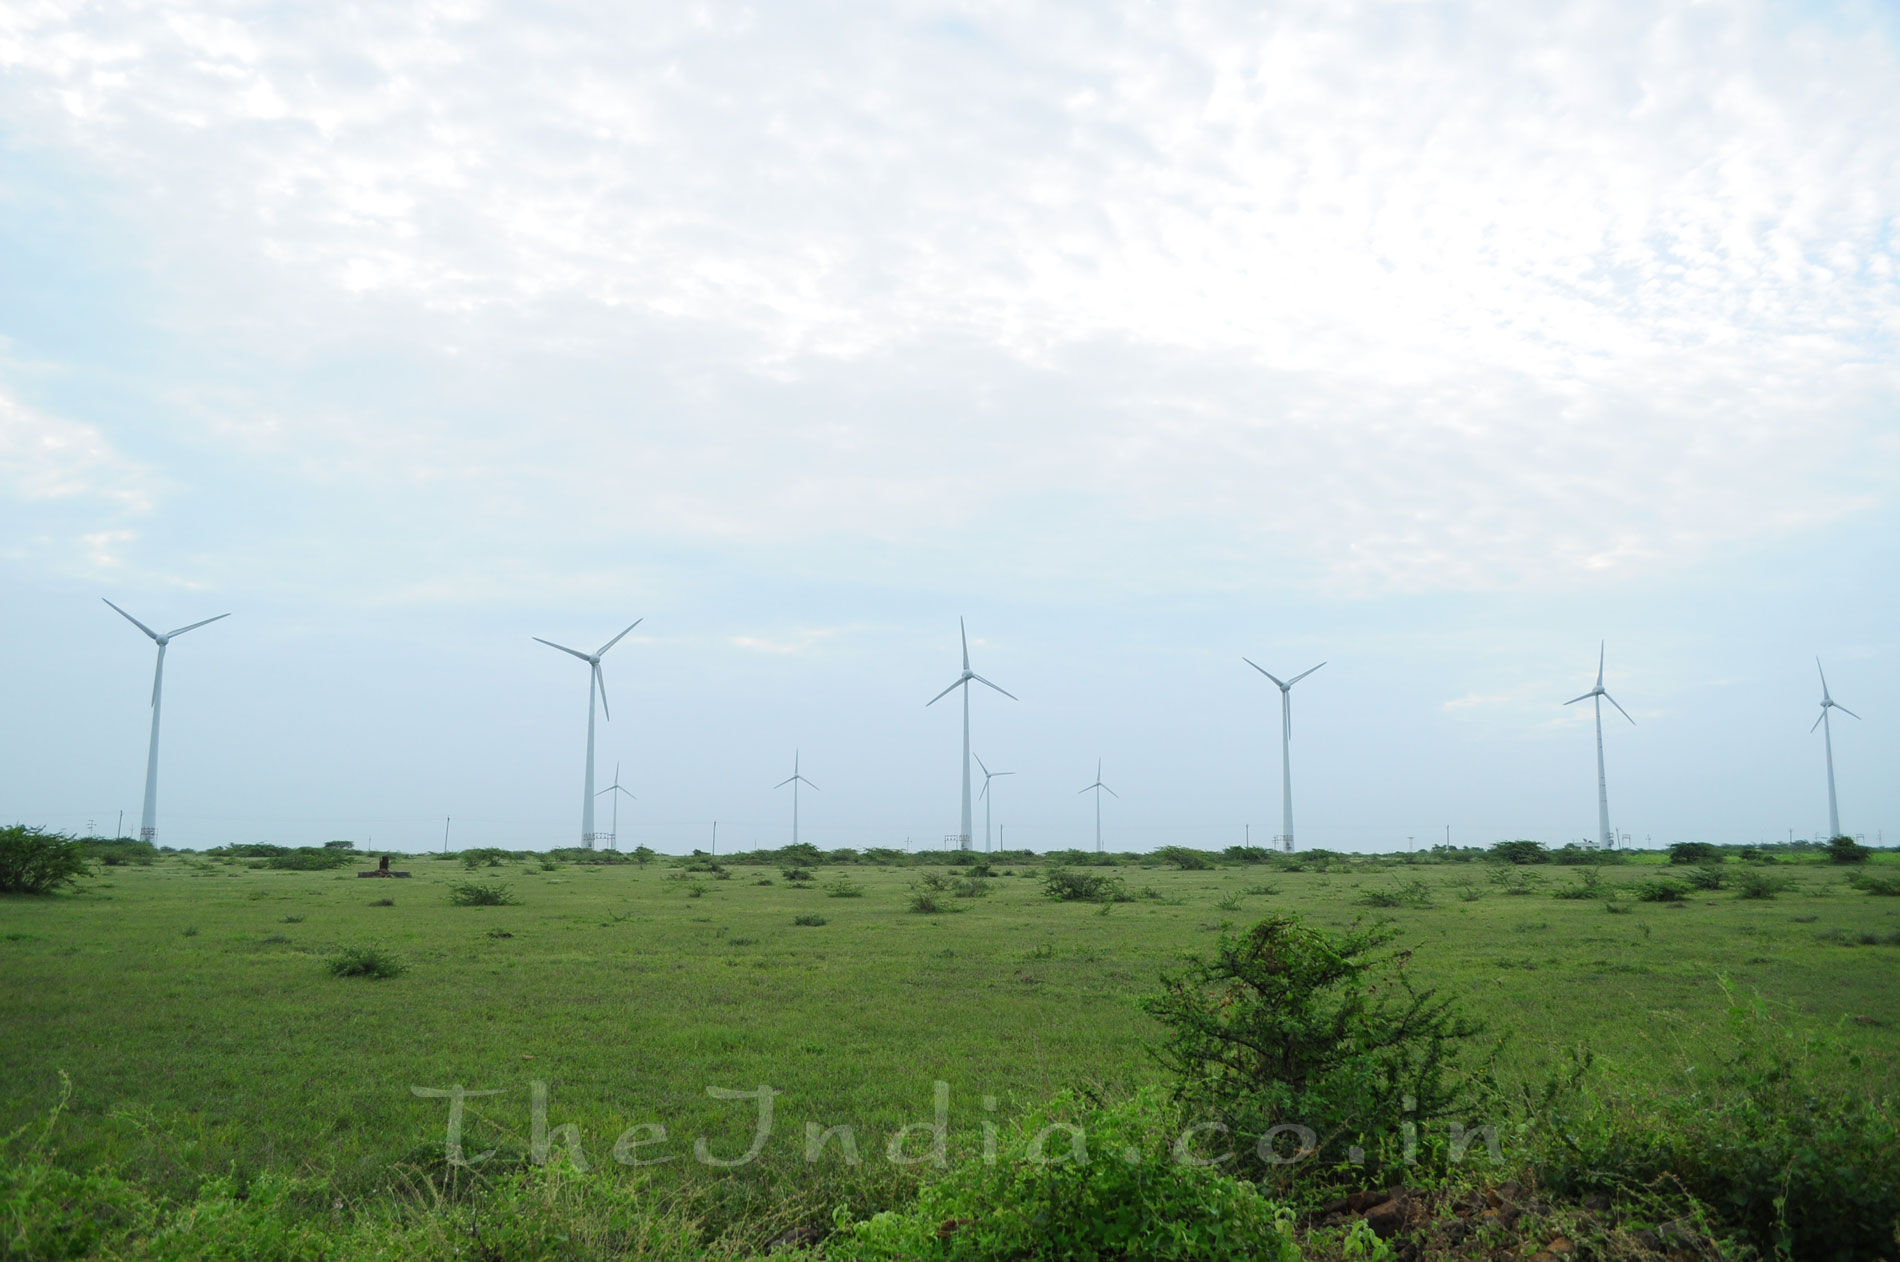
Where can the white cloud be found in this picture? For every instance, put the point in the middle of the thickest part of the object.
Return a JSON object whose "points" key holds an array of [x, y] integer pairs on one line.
{"points": [[1425, 295]]}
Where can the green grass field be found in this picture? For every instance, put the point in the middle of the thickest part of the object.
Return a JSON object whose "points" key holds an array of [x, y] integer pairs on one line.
{"points": [[191, 1002]]}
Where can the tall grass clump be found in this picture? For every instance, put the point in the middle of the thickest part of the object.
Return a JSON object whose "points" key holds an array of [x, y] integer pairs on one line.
{"points": [[372, 962], [473, 894], [1412, 893]]}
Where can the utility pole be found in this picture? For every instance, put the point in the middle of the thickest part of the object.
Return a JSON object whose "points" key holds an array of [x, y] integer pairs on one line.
{"points": [[1408, 845], [121, 831], [1448, 836], [715, 842], [445, 834]]}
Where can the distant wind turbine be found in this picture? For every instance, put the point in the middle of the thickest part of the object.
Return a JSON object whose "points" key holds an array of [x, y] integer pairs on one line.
{"points": [[1286, 745], [613, 836], [1827, 734], [596, 683], [963, 682], [148, 821], [794, 780], [1099, 789], [1604, 837], [988, 776]]}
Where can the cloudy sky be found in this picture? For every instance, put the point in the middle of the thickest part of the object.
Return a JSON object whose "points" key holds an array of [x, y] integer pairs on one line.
{"points": [[1437, 341]]}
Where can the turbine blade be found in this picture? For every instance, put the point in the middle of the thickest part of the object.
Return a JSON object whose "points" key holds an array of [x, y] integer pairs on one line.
{"points": [[1619, 709], [946, 692], [623, 635], [1823, 674], [809, 785], [1585, 697], [998, 775], [979, 762], [134, 621], [173, 635], [981, 680], [1817, 722], [1302, 675], [1844, 710], [1600, 647], [984, 790], [1110, 792], [787, 780], [1092, 786], [965, 637], [574, 652], [1263, 670], [600, 681]]}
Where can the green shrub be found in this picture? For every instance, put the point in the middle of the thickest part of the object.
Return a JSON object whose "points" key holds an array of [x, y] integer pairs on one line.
{"points": [[1572, 855], [116, 852], [843, 887], [1662, 892], [1694, 852], [1785, 1137], [929, 903], [1129, 1198], [1844, 849], [1519, 852], [470, 894], [795, 874], [485, 857], [1591, 886], [1707, 877], [1288, 1024], [370, 962], [813, 921], [1888, 886], [1413, 893], [34, 861], [1066, 886], [970, 887], [1183, 858], [311, 859], [1755, 883]]}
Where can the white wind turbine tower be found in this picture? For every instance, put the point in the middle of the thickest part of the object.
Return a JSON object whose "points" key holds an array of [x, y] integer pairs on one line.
{"points": [[596, 683], [1827, 731], [613, 837], [1100, 789], [988, 776], [794, 780], [1604, 838], [1286, 746], [963, 682], [148, 820]]}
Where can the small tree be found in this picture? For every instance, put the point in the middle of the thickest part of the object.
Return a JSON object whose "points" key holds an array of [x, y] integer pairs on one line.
{"points": [[34, 861], [1845, 849], [1694, 852], [1291, 1026], [1520, 852]]}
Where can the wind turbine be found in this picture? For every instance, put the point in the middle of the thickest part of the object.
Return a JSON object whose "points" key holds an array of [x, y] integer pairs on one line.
{"points": [[1827, 730], [148, 821], [794, 780], [1604, 838], [963, 682], [988, 776], [1286, 745], [595, 683], [613, 837], [1100, 789]]}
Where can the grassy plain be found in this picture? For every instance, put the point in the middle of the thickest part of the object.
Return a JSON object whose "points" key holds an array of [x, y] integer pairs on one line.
{"points": [[191, 1003]]}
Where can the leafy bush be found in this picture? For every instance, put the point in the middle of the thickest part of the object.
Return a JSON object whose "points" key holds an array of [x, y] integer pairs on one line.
{"points": [[470, 894], [1571, 854], [1845, 849], [1694, 852], [1066, 886], [1520, 851], [370, 962], [930, 903], [795, 874], [1183, 858], [1290, 1025], [34, 861], [843, 888], [1884, 885], [1080, 1180], [970, 887], [809, 920], [485, 857], [1786, 1137], [116, 852], [311, 859], [1707, 877], [1755, 883], [1591, 886], [1413, 893], [1662, 892]]}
